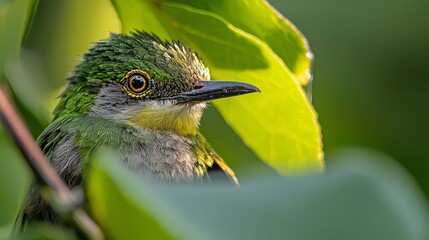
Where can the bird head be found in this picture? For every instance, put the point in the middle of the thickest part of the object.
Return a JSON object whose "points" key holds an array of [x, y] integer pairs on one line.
{"points": [[140, 80]]}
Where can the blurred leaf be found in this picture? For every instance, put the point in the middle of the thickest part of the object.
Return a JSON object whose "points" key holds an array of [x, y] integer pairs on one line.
{"points": [[365, 196], [140, 15], [280, 118], [117, 220], [53, 46], [63, 31], [15, 17], [372, 75], [35, 123], [14, 179], [3, 2], [397, 189], [39, 231], [24, 76]]}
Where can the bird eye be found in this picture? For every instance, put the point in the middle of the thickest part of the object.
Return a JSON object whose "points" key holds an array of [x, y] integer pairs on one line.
{"points": [[137, 83]]}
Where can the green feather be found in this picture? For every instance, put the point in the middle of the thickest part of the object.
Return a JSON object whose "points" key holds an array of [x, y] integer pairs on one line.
{"points": [[108, 62]]}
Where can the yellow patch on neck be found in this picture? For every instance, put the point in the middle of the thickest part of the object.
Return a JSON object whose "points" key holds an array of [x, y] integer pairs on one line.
{"points": [[182, 119]]}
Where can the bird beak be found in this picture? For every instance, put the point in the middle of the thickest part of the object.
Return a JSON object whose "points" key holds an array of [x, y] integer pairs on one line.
{"points": [[209, 90]]}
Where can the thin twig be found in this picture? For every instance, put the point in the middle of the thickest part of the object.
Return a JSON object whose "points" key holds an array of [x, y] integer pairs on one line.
{"points": [[62, 197]]}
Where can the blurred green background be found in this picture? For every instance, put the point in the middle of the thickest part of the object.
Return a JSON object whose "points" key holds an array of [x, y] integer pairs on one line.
{"points": [[371, 75], [370, 71]]}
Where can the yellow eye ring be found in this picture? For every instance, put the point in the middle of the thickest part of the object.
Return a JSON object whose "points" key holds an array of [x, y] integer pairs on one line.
{"points": [[137, 84]]}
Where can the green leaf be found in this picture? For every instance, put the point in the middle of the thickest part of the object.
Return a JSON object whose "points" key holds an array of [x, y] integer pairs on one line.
{"points": [[112, 208], [15, 17], [45, 231], [14, 181], [364, 196], [266, 24], [3, 2], [279, 124], [144, 16]]}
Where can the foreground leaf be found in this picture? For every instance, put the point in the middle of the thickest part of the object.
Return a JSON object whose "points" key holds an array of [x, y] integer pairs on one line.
{"points": [[366, 196], [44, 231], [279, 124], [14, 181], [15, 17]]}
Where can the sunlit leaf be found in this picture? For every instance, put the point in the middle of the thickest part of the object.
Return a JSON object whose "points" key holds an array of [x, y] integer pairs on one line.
{"points": [[279, 124], [364, 196], [258, 18]]}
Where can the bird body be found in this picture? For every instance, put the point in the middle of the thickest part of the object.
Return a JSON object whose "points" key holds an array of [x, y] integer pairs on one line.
{"points": [[142, 97]]}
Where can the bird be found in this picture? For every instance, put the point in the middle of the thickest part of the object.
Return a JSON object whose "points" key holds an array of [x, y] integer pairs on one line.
{"points": [[144, 98]]}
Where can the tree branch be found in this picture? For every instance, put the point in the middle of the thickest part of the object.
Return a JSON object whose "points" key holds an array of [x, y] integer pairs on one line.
{"points": [[61, 198]]}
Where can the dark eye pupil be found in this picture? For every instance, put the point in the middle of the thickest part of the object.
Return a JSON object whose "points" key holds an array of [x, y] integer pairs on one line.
{"points": [[137, 82]]}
